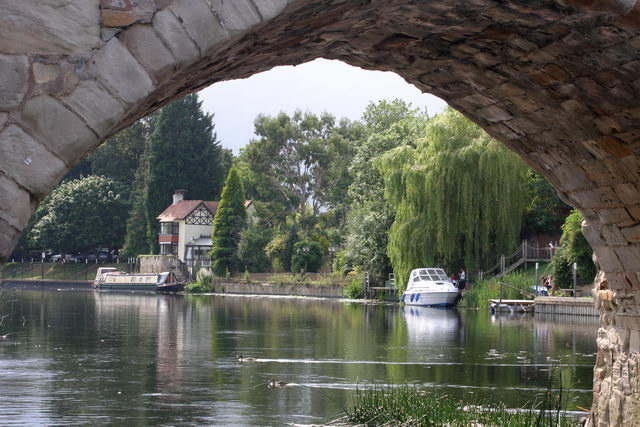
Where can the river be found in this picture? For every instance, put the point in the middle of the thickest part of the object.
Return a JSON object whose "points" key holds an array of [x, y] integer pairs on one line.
{"points": [[85, 357]]}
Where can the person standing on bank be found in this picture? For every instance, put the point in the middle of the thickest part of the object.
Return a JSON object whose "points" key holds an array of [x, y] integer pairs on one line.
{"points": [[463, 279]]}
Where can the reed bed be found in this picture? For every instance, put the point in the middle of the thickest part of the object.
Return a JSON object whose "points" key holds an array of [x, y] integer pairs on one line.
{"points": [[412, 406]]}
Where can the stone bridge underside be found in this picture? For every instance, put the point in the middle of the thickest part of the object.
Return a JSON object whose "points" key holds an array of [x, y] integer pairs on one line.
{"points": [[557, 81]]}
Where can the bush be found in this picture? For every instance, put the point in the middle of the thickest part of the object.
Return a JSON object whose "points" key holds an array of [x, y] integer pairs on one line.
{"points": [[307, 256], [203, 283], [251, 249], [355, 288], [573, 248]]}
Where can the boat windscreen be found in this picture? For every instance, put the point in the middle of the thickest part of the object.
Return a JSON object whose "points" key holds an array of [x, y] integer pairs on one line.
{"points": [[433, 274]]}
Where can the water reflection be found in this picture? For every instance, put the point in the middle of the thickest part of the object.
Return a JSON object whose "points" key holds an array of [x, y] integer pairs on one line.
{"points": [[82, 357]]}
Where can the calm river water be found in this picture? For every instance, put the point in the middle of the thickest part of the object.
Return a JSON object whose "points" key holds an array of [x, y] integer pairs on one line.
{"points": [[85, 357]]}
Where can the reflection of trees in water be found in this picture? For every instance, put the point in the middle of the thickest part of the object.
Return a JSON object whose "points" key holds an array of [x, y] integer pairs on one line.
{"points": [[164, 352]]}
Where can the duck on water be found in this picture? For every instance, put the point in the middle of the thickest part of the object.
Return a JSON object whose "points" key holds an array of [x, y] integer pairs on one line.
{"points": [[430, 287]]}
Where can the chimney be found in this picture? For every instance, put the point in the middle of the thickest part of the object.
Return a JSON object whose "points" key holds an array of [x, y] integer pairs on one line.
{"points": [[178, 196]]}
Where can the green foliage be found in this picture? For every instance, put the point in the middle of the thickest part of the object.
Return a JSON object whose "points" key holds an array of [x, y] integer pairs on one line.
{"points": [[307, 256], [573, 248], [411, 405], [135, 242], [459, 197], [388, 124], [355, 288], [81, 215], [545, 212], [251, 248], [203, 283], [276, 252], [298, 161], [289, 249], [183, 154], [479, 294], [230, 220]]}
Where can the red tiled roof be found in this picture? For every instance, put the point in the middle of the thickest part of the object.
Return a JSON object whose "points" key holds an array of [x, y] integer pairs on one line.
{"points": [[183, 208]]}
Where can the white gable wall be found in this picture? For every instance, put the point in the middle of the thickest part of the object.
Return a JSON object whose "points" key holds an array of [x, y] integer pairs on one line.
{"points": [[187, 233]]}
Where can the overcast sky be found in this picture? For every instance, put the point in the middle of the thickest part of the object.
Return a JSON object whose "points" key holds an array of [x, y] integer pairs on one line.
{"points": [[316, 86]]}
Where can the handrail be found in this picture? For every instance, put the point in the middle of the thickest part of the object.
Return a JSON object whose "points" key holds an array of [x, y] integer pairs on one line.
{"points": [[502, 284]]}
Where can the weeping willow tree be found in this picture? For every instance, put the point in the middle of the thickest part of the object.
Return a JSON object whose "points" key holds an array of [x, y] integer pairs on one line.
{"points": [[459, 197]]}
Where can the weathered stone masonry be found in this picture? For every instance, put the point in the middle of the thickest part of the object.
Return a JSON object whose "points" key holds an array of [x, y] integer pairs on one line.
{"points": [[557, 81]]}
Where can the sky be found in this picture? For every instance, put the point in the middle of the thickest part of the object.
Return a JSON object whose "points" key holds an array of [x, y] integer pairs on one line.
{"points": [[316, 86]]}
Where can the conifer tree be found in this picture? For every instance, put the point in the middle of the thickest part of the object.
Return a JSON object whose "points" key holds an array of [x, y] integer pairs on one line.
{"points": [[183, 154], [230, 219]]}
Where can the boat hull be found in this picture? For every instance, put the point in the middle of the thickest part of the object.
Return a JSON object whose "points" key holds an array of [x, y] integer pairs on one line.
{"points": [[112, 279], [173, 287], [431, 299]]}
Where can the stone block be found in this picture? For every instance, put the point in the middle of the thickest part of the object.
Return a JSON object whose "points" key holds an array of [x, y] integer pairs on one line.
{"points": [[28, 162], [95, 105], [237, 16], [58, 128], [607, 259], [121, 73], [613, 236], [170, 30], [629, 257], [614, 216], [592, 234], [270, 8], [3, 119], [607, 125], [44, 73], [494, 114], [627, 193], [634, 211], [200, 23], [15, 79], [631, 234], [8, 238], [147, 47], [17, 204], [116, 18], [613, 146], [49, 26]]}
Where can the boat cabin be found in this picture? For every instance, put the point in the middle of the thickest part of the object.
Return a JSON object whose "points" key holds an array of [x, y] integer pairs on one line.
{"points": [[428, 275]]}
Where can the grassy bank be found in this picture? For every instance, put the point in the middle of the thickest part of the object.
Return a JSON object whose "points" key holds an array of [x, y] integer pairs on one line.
{"points": [[205, 281], [53, 271], [408, 405], [478, 295]]}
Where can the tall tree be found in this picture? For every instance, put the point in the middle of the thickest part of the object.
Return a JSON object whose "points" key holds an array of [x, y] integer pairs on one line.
{"points": [[290, 161], [183, 154], [120, 156], [388, 124], [82, 215], [230, 220], [459, 197], [545, 211]]}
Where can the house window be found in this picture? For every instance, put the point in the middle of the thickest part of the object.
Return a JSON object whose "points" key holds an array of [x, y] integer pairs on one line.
{"points": [[169, 228], [169, 249]]}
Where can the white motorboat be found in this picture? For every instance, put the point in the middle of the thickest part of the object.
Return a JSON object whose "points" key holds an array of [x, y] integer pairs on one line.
{"points": [[430, 287]]}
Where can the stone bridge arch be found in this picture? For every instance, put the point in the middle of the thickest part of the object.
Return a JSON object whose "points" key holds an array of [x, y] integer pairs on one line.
{"points": [[558, 81]]}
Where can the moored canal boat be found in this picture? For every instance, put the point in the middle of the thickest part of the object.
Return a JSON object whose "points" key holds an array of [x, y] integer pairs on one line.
{"points": [[110, 278], [430, 287]]}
